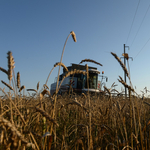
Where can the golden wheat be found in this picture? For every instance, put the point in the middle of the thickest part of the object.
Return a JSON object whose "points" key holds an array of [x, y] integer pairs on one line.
{"points": [[61, 64], [125, 84], [45, 86], [10, 65], [90, 60], [18, 80], [15, 131], [73, 36], [121, 63], [32, 90], [37, 87], [7, 85], [3, 70], [45, 114], [45, 91], [108, 90]]}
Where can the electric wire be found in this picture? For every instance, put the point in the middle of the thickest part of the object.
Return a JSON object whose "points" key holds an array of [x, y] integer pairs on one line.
{"points": [[142, 48], [133, 21], [140, 25]]}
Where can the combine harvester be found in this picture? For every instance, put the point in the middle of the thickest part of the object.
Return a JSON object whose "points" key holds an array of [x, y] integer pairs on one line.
{"points": [[78, 82]]}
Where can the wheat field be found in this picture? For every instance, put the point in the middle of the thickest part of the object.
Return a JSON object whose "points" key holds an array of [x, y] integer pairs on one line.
{"points": [[42, 121]]}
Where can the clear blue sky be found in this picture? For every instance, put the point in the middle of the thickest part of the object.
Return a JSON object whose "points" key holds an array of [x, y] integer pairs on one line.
{"points": [[35, 32]]}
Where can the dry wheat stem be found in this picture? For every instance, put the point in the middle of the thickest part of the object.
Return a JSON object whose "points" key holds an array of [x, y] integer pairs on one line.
{"points": [[34, 141], [90, 60], [75, 103], [127, 86], [74, 38], [7, 85], [14, 105], [45, 114], [112, 85], [14, 130], [121, 63], [49, 75], [126, 147], [83, 95], [57, 64], [108, 91], [90, 129], [115, 90]]}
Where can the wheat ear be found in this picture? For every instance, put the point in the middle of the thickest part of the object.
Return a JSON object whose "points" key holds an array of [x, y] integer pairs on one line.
{"points": [[73, 36], [90, 60], [3, 70], [77, 103], [61, 64], [124, 83], [18, 80], [32, 90], [10, 65], [37, 87], [7, 85], [43, 93], [22, 87], [45, 86], [108, 90], [55, 65], [121, 63], [45, 114]]}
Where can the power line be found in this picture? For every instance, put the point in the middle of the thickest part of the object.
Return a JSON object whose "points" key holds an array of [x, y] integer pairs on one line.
{"points": [[140, 25], [142, 48], [133, 21]]}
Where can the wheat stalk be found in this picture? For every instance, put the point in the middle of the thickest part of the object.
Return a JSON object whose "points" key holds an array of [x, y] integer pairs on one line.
{"points": [[108, 90], [90, 60], [14, 130], [125, 84], [83, 95], [45, 114], [55, 65], [121, 63], [75, 103]]}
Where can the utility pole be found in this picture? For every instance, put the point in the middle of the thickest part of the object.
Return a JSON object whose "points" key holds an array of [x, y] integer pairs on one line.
{"points": [[124, 71], [125, 66], [126, 57]]}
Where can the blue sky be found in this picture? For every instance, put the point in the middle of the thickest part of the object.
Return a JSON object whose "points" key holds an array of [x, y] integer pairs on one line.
{"points": [[35, 32]]}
